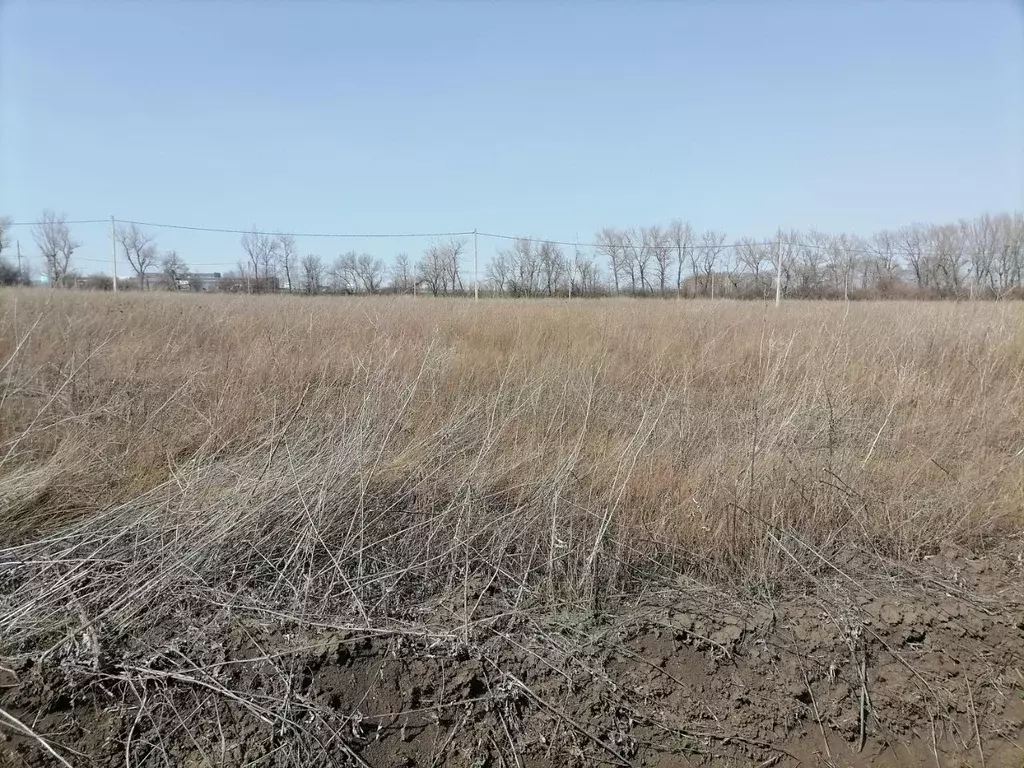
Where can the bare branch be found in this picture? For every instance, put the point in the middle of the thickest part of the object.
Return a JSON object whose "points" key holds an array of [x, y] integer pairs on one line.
{"points": [[139, 249], [53, 236]]}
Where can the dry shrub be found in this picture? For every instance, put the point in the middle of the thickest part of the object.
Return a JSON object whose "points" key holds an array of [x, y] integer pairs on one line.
{"points": [[364, 455]]}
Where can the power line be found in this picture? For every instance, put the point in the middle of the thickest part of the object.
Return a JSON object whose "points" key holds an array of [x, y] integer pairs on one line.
{"points": [[227, 231], [691, 247], [203, 264], [350, 235], [38, 223]]}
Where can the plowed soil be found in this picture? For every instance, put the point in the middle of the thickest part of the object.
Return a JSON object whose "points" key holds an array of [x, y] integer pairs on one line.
{"points": [[922, 669]]}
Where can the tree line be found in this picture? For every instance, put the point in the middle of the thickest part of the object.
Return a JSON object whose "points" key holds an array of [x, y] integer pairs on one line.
{"points": [[980, 258]]}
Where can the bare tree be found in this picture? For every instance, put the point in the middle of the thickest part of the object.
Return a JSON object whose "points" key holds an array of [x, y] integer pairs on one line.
{"points": [[344, 273], [786, 254], [5, 238], [497, 273], [53, 236], [312, 274], [810, 263], [268, 266], [949, 256], [984, 256], [452, 251], [139, 249], [587, 276], [647, 252], [552, 267], [10, 274], [842, 257], [611, 245], [884, 259], [441, 267], [639, 254], [752, 256], [402, 277], [732, 265], [1008, 265], [243, 277], [1014, 245], [431, 271], [680, 238], [175, 268], [370, 272], [252, 242], [659, 244], [261, 251], [521, 263], [913, 243], [712, 244], [289, 259]]}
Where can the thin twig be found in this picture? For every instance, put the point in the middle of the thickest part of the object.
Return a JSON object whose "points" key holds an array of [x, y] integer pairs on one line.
{"points": [[863, 694], [563, 717], [974, 715], [935, 746], [817, 716], [12, 720]]}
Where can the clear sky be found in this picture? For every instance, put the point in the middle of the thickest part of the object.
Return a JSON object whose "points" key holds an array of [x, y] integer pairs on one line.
{"points": [[520, 117]]}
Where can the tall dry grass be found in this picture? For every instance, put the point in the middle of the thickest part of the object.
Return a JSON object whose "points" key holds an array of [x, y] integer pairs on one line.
{"points": [[320, 455]]}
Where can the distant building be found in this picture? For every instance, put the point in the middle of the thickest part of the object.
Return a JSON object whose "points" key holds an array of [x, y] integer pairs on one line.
{"points": [[204, 281], [194, 281]]}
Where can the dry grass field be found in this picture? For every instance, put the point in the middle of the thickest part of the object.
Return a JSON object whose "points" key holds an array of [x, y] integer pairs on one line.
{"points": [[191, 486]]}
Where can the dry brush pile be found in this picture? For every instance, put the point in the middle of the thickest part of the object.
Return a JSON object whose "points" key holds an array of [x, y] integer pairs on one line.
{"points": [[165, 458], [370, 451]]}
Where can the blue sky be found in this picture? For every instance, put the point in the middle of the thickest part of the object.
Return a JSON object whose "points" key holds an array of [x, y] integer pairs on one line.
{"points": [[549, 119]]}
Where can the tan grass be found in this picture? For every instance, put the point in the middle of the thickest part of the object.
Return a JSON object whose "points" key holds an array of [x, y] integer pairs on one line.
{"points": [[369, 453]]}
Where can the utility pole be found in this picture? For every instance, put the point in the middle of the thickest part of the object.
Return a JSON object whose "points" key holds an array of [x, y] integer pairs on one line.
{"points": [[778, 272], [18, 242], [575, 261], [476, 270], [113, 252]]}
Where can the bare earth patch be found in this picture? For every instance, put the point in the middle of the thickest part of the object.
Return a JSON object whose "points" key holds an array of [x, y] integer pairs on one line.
{"points": [[892, 672]]}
